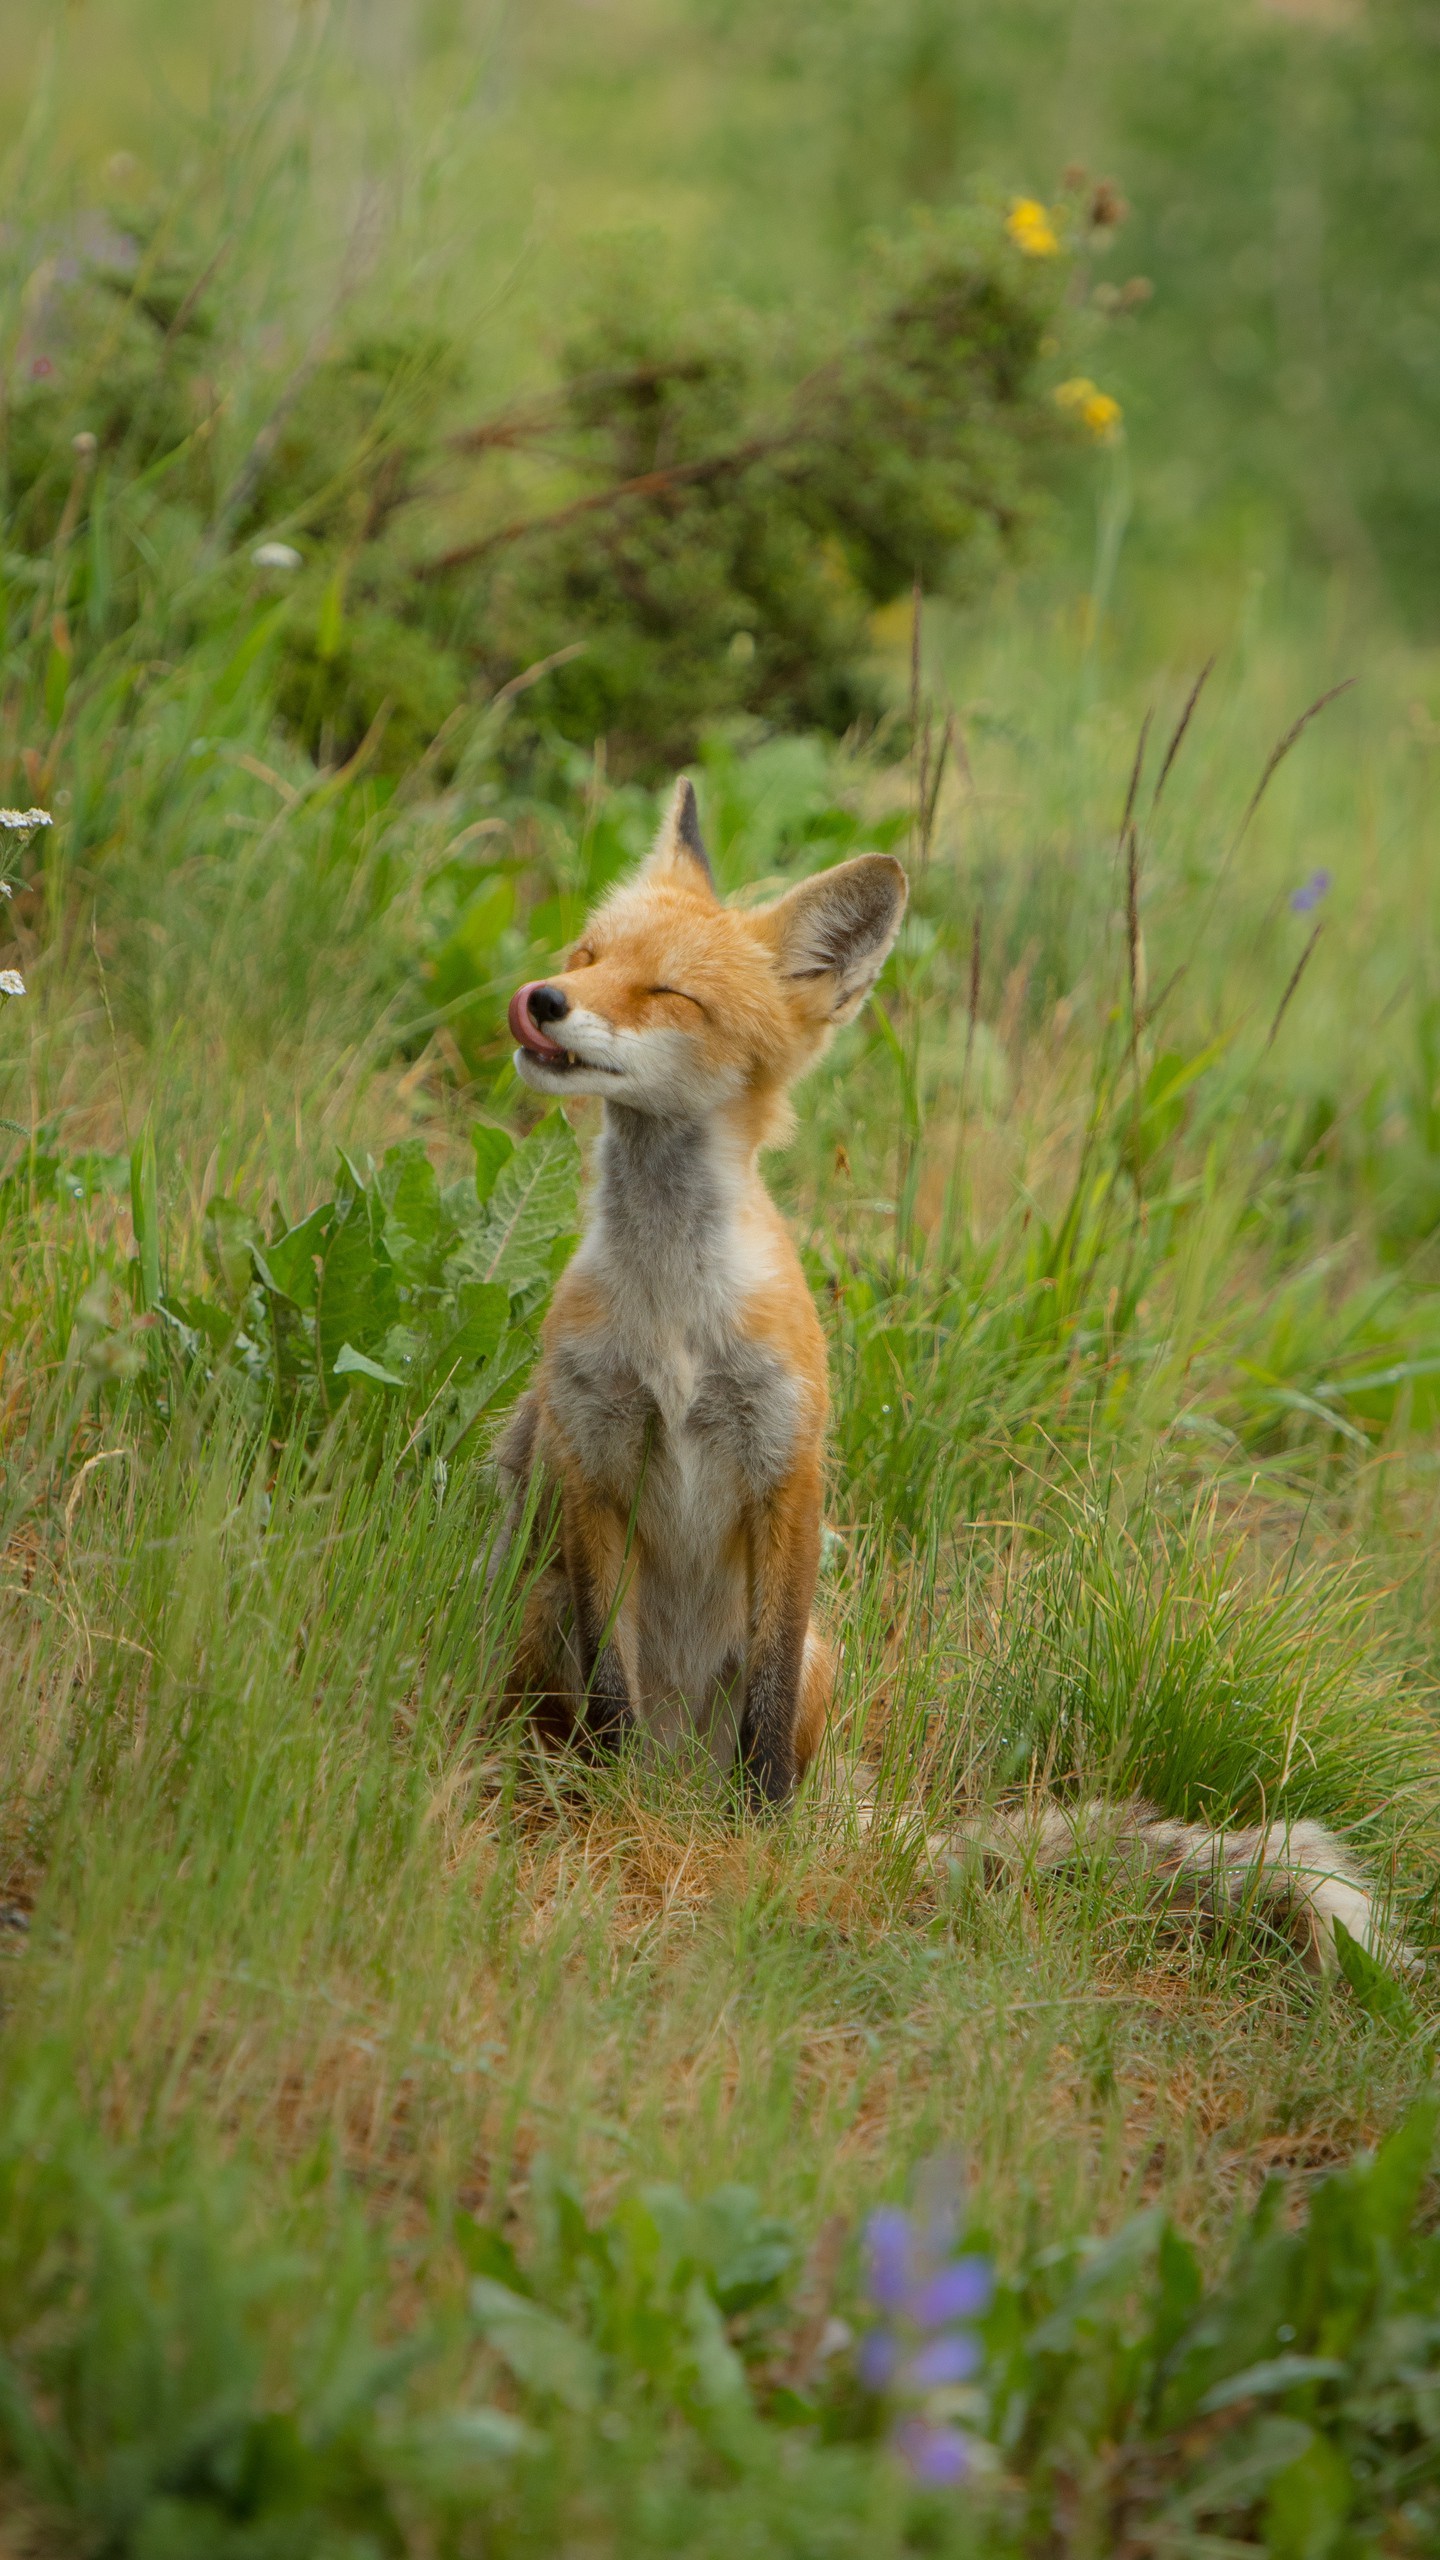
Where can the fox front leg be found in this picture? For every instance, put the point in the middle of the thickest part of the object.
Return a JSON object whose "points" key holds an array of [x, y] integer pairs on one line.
{"points": [[593, 1548], [786, 1564]]}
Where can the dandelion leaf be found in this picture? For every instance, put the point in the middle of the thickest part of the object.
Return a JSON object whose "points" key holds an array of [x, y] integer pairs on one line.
{"points": [[543, 2354], [1378, 1992]]}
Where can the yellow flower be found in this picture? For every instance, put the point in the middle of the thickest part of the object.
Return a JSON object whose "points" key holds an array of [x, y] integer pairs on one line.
{"points": [[1096, 410], [1102, 416], [1031, 229]]}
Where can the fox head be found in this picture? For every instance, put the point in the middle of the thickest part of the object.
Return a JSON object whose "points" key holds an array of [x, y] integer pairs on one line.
{"points": [[676, 1005]]}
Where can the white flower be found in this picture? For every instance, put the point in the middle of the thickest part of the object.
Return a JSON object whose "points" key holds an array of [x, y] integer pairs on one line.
{"points": [[11, 983], [276, 555], [23, 822]]}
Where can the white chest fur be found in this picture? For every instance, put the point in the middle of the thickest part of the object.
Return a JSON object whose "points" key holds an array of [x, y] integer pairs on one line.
{"points": [[674, 1416]]}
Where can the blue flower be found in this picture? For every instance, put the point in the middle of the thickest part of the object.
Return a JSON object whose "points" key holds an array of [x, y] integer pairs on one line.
{"points": [[940, 2456], [947, 2360], [1310, 893], [887, 2252], [878, 2360], [922, 2346], [959, 2292]]}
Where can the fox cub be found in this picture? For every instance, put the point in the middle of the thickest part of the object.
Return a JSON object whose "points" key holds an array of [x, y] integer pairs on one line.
{"points": [[678, 1410], [677, 1417]]}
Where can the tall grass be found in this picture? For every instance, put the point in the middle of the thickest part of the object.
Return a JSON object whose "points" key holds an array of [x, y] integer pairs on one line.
{"points": [[323, 1989]]}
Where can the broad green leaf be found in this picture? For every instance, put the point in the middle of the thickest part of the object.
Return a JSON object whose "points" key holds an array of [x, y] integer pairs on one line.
{"points": [[350, 1363], [1376, 1989], [1396, 2176], [720, 2383], [229, 1233], [1308, 2505], [744, 2251], [455, 2450], [480, 1314], [414, 1217], [487, 2252], [540, 2350], [215, 1325], [288, 1262], [533, 1202], [354, 1297], [1106, 2274], [493, 1148], [351, 1180], [501, 1373], [1180, 2287]]}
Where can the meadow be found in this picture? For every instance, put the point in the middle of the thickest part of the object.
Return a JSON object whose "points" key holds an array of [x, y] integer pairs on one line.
{"points": [[413, 2142]]}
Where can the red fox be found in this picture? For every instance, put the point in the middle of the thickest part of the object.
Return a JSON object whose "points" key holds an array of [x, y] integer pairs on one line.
{"points": [[677, 1416], [679, 1405]]}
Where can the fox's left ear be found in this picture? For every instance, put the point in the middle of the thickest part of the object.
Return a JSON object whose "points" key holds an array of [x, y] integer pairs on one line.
{"points": [[680, 847], [832, 933]]}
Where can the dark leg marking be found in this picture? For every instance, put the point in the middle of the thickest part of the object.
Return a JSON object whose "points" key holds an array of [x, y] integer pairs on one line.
{"points": [[608, 1711], [772, 1705]]}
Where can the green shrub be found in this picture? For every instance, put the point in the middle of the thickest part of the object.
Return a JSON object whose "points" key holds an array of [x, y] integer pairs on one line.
{"points": [[708, 535], [396, 1288], [668, 2374], [731, 537]]}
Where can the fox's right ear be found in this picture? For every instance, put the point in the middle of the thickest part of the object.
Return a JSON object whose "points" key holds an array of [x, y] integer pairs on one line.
{"points": [[832, 934], [679, 848]]}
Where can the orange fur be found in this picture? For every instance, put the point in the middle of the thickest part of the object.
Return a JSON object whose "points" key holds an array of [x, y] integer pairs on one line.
{"points": [[678, 1412]]}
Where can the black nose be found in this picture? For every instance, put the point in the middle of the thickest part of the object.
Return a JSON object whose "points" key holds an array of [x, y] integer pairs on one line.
{"points": [[548, 1004]]}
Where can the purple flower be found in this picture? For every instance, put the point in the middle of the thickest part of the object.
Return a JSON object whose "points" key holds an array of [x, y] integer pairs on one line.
{"points": [[941, 2361], [920, 2344], [888, 2252], [939, 2456], [959, 2292], [878, 2360], [1310, 893]]}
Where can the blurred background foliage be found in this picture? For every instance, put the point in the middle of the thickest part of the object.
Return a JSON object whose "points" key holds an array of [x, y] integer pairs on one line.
{"points": [[1278, 154], [1121, 1207]]}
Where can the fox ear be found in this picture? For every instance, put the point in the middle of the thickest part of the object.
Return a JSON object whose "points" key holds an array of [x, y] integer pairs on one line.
{"points": [[680, 846], [832, 933]]}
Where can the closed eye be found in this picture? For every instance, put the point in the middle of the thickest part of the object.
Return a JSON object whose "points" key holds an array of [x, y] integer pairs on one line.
{"points": [[680, 992]]}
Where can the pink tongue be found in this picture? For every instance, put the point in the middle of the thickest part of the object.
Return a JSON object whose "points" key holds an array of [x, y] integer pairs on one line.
{"points": [[528, 1033]]}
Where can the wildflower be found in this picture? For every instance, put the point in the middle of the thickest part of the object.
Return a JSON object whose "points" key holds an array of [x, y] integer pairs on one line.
{"points": [[942, 2362], [1031, 229], [11, 983], [23, 822], [922, 2352], [1096, 410], [939, 2456], [1102, 415], [1108, 208], [276, 555], [1310, 892]]}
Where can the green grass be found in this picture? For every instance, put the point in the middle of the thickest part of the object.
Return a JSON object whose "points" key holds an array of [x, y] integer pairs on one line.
{"points": [[335, 1997]]}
